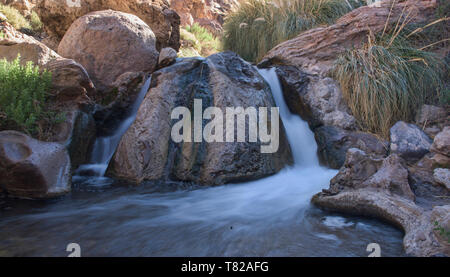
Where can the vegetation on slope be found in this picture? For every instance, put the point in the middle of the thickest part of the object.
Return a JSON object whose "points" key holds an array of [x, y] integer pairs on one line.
{"points": [[259, 25], [24, 98], [198, 41], [388, 79], [18, 21]]}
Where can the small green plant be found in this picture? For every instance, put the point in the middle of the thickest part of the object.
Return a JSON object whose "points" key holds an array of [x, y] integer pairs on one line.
{"points": [[259, 25], [197, 40], [14, 17], [35, 22], [23, 94], [441, 230]]}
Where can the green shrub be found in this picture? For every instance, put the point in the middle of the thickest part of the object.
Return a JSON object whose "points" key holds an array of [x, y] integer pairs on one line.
{"points": [[23, 94], [35, 22], [259, 25], [14, 17], [198, 40], [387, 80]]}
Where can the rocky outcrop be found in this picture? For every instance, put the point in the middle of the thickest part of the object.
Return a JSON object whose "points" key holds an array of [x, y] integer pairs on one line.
{"points": [[409, 141], [108, 44], [370, 186], [317, 100], [72, 90], [58, 16], [207, 13], [315, 50], [147, 152], [333, 143], [31, 168]]}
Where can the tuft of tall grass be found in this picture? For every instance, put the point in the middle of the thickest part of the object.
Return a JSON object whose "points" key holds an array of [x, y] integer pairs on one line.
{"points": [[198, 40], [388, 79], [23, 95], [259, 25], [14, 17], [35, 22]]}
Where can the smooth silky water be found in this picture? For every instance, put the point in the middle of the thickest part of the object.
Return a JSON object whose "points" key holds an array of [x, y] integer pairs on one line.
{"points": [[268, 217]]}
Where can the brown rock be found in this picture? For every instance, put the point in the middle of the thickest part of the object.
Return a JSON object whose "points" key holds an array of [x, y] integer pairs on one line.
{"points": [[207, 13], [108, 44], [367, 186], [57, 16], [147, 152], [441, 142], [167, 57], [31, 168], [316, 50]]}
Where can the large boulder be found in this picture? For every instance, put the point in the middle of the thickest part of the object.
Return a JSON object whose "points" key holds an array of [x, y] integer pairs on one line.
{"points": [[333, 143], [58, 15], [108, 44], [147, 152], [316, 50], [33, 169], [409, 141], [370, 186]]}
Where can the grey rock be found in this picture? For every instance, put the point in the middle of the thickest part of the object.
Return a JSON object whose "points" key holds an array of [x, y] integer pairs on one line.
{"points": [[333, 143], [409, 141], [442, 176]]}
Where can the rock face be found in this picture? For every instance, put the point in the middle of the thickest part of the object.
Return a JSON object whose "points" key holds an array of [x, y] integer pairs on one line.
{"points": [[108, 44], [208, 13], [57, 16], [370, 186], [147, 152], [33, 169], [333, 143], [316, 50], [317, 100], [118, 101], [409, 141]]}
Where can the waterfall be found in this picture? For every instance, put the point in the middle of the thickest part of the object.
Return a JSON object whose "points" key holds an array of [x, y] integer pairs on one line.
{"points": [[300, 137], [105, 147]]}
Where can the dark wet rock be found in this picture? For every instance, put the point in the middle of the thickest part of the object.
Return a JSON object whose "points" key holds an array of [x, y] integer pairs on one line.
{"points": [[222, 80], [117, 102], [33, 169], [409, 141], [333, 143]]}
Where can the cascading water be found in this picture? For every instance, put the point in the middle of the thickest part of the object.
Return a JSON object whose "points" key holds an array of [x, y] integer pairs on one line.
{"points": [[268, 217], [104, 147]]}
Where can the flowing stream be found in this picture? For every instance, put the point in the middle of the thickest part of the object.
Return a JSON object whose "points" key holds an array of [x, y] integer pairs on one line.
{"points": [[268, 217]]}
